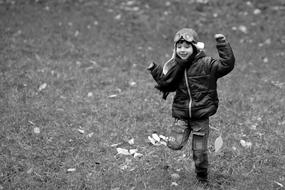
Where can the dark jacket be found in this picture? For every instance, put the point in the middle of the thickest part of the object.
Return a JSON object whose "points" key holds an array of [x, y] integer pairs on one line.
{"points": [[195, 84]]}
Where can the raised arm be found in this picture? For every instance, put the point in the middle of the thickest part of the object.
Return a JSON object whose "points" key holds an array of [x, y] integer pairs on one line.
{"points": [[226, 61]]}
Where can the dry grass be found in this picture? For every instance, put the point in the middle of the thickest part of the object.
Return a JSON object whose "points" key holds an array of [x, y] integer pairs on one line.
{"points": [[85, 51]]}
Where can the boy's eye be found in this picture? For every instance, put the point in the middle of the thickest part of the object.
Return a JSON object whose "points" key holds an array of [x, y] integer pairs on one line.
{"points": [[184, 44]]}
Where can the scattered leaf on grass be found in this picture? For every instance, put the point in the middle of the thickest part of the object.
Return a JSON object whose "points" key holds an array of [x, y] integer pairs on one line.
{"points": [[174, 184], [265, 60], [151, 140], [123, 151], [131, 141], [175, 176], [162, 137], [42, 86], [114, 145], [37, 130], [118, 17], [280, 184], [242, 28], [245, 144], [138, 155], [132, 83], [30, 171], [113, 96], [81, 131], [257, 11], [156, 140], [218, 143], [71, 169], [76, 33], [31, 122], [155, 137], [133, 151], [123, 167], [90, 94]]}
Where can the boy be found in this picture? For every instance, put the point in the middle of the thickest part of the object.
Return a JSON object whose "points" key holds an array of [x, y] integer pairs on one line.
{"points": [[193, 76]]}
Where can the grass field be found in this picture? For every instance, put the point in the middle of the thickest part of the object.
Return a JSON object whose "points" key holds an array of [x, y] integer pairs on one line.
{"points": [[73, 88]]}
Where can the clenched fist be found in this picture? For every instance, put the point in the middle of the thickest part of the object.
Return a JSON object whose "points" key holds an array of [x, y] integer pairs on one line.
{"points": [[220, 38]]}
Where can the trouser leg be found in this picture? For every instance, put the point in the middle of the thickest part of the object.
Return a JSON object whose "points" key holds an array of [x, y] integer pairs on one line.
{"points": [[178, 134], [200, 131]]}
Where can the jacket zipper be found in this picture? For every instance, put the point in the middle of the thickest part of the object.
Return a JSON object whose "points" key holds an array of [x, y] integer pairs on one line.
{"points": [[189, 93]]}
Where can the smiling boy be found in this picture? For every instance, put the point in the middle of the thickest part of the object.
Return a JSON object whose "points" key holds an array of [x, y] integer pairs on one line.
{"points": [[193, 77]]}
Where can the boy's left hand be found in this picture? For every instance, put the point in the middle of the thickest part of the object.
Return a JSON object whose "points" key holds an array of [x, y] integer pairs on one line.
{"points": [[220, 38], [150, 67]]}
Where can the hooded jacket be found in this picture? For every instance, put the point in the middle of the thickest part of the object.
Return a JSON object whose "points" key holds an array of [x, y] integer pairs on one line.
{"points": [[195, 85]]}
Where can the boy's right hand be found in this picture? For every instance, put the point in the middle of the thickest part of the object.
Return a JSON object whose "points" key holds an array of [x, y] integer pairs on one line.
{"points": [[220, 38]]}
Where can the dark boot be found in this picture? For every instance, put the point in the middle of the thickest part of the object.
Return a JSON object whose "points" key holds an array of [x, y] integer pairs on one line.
{"points": [[202, 177], [201, 165]]}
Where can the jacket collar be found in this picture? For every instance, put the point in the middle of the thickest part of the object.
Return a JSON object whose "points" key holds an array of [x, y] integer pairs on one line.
{"points": [[199, 55]]}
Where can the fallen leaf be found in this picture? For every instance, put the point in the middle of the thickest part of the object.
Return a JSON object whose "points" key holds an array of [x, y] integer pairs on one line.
{"points": [[132, 83], [42, 86], [245, 144], [123, 167], [37, 130], [114, 145], [133, 151], [113, 96], [265, 60], [243, 28], [30, 171], [71, 169], [155, 137], [118, 17], [281, 185], [31, 122], [218, 143], [151, 140], [175, 176], [162, 137], [257, 11], [81, 131], [123, 151], [131, 141], [138, 155], [76, 33]]}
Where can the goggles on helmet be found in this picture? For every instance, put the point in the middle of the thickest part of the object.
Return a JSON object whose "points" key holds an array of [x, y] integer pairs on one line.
{"points": [[185, 36]]}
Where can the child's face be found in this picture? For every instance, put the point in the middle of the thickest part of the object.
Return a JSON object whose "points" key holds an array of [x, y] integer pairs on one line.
{"points": [[184, 49]]}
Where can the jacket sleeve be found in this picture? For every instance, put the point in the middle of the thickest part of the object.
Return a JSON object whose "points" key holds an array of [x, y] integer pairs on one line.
{"points": [[167, 82], [226, 61]]}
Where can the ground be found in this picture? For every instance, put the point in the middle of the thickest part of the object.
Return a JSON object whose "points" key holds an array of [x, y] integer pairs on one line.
{"points": [[74, 88]]}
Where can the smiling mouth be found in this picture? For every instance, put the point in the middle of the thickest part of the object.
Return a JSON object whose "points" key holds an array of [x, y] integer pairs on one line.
{"points": [[183, 55]]}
